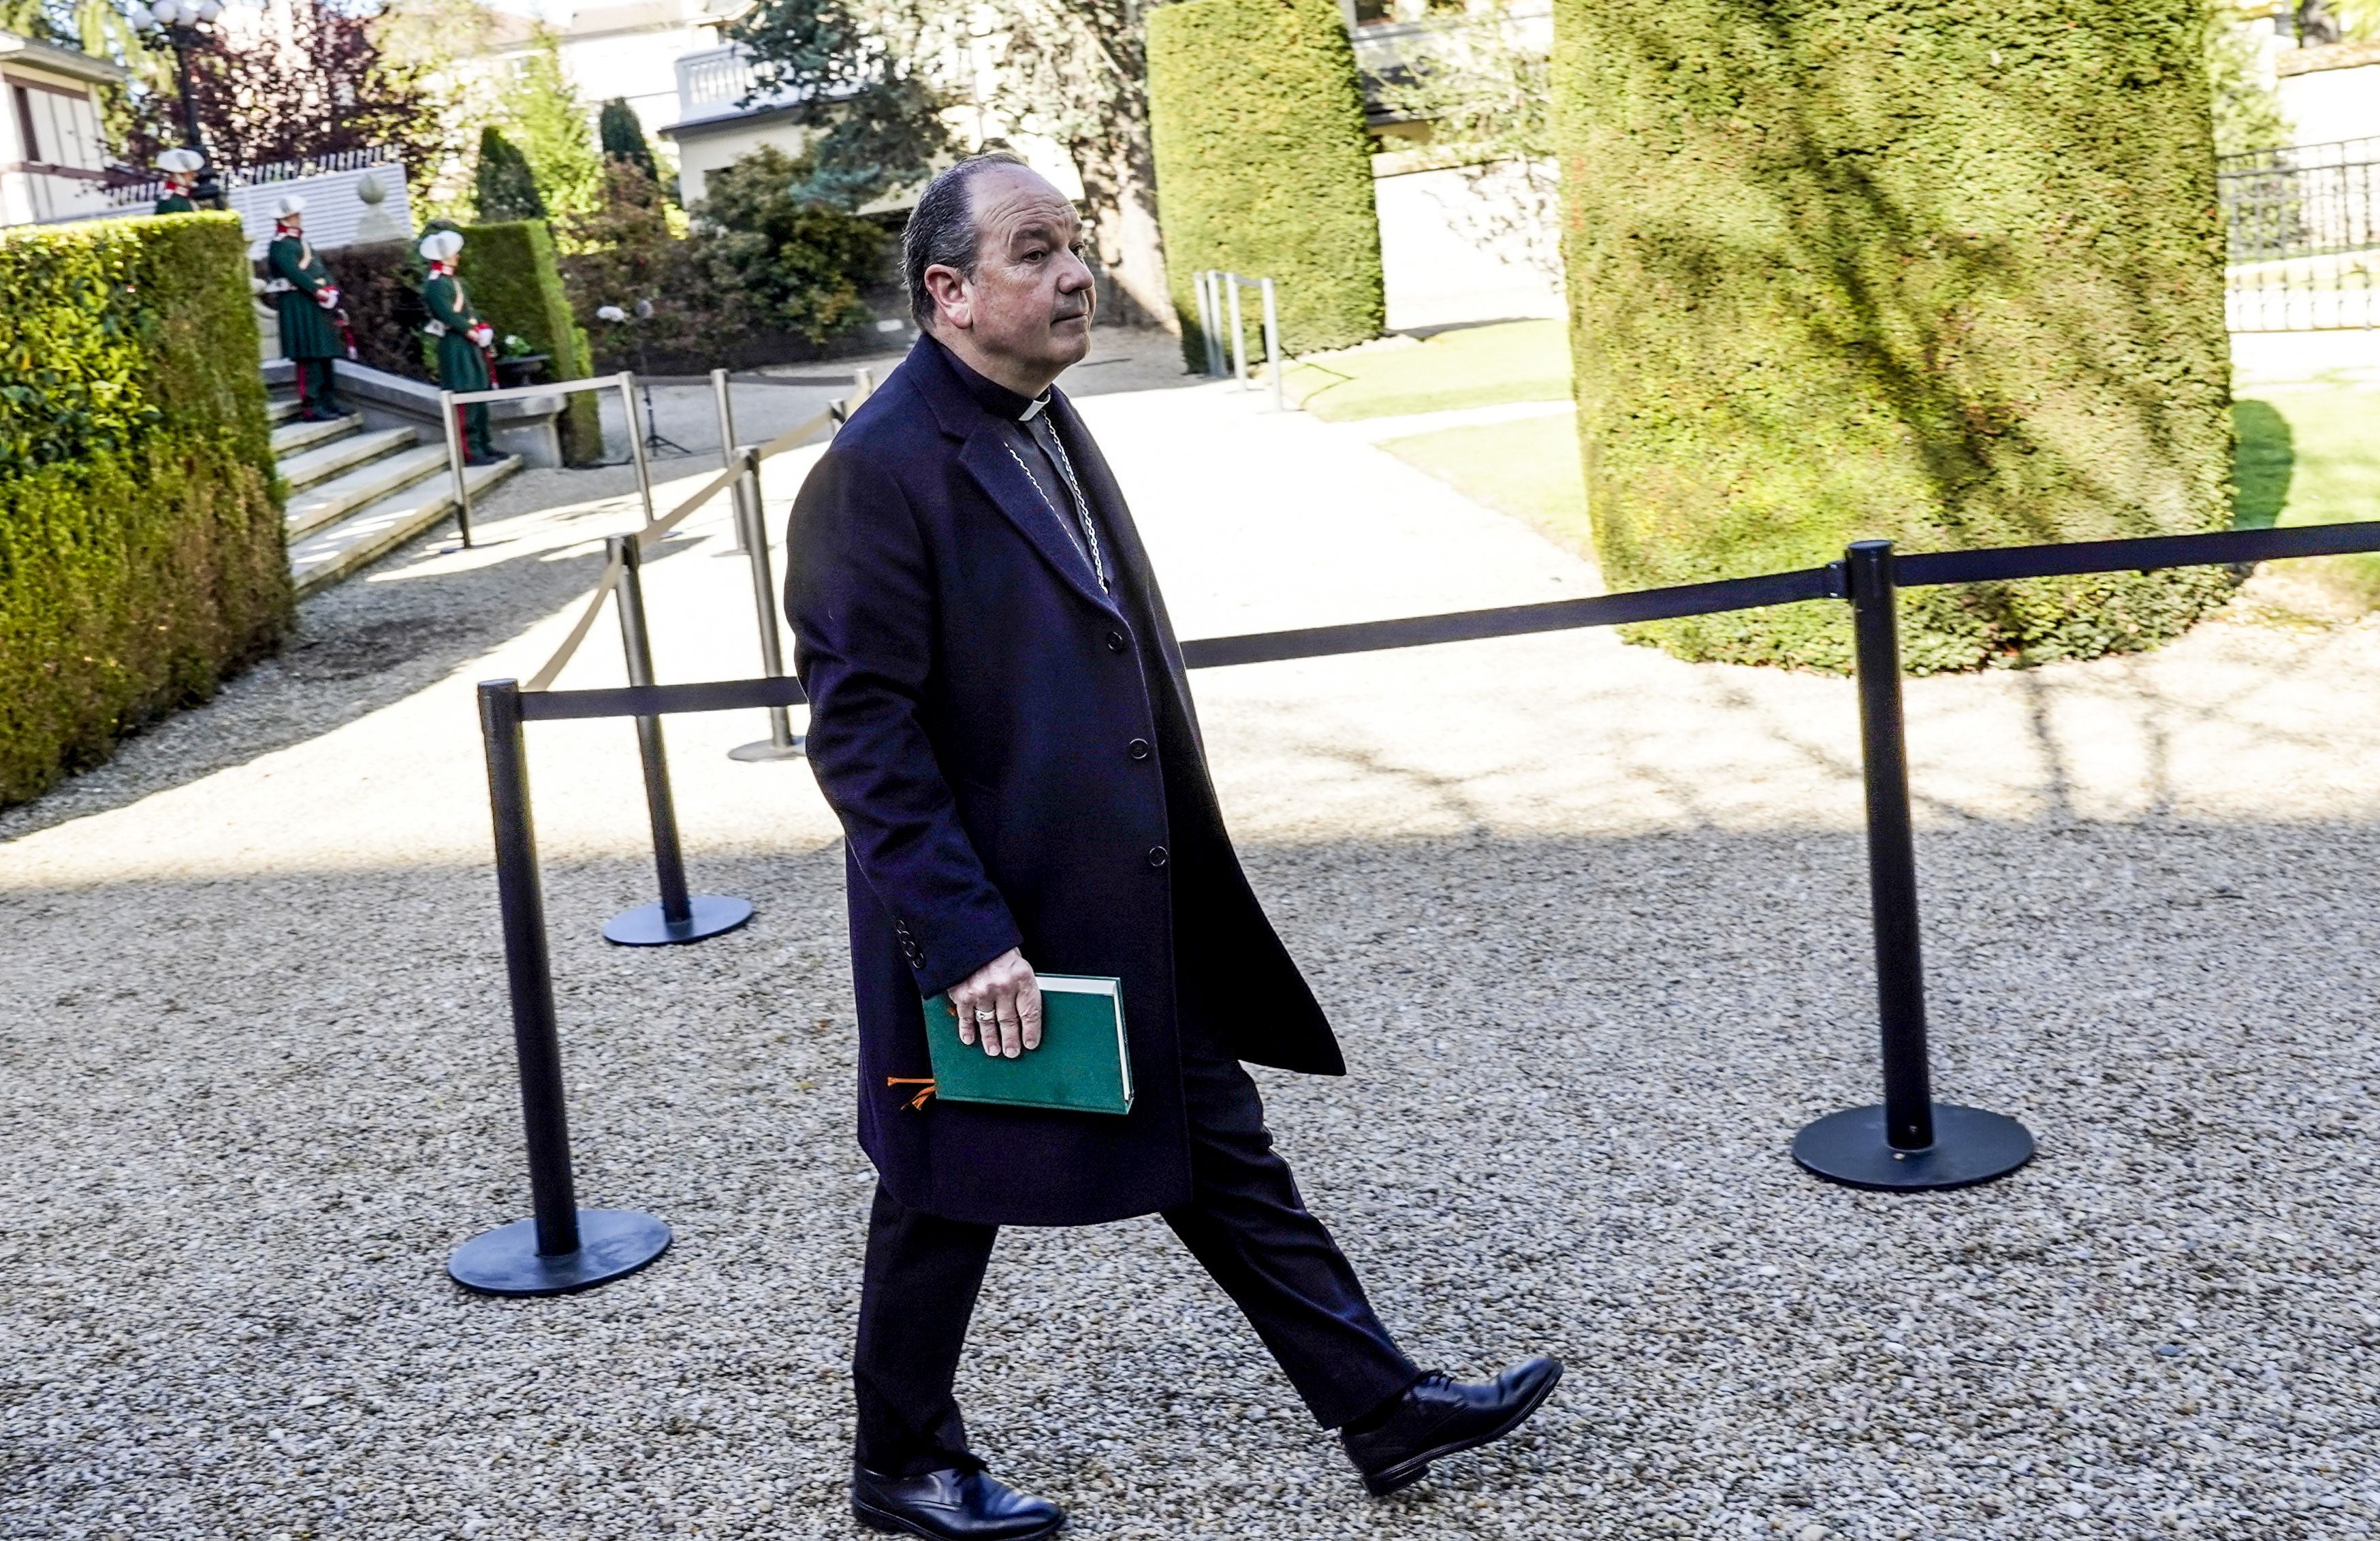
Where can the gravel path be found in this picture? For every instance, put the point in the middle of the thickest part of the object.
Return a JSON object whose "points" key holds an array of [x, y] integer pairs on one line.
{"points": [[1592, 922]]}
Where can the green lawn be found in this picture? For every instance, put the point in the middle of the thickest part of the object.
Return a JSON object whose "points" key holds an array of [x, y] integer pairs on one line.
{"points": [[2312, 457], [1528, 469], [2304, 458], [1478, 365]]}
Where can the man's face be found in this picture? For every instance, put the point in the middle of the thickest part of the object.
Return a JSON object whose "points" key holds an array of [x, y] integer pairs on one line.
{"points": [[1028, 305]]}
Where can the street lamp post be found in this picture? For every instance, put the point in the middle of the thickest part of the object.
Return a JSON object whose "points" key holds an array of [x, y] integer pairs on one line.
{"points": [[179, 23]]}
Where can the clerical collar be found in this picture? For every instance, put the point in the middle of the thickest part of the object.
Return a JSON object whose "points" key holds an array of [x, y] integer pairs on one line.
{"points": [[990, 394]]}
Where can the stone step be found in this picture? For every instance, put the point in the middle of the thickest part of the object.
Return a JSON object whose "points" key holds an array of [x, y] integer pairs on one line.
{"points": [[343, 494], [325, 461], [280, 409], [288, 438], [333, 551]]}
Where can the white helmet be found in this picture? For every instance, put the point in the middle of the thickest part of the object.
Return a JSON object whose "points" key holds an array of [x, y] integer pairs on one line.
{"points": [[440, 246], [287, 205], [180, 161]]}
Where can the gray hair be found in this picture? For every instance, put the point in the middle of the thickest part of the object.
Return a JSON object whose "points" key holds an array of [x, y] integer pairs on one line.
{"points": [[942, 229]]}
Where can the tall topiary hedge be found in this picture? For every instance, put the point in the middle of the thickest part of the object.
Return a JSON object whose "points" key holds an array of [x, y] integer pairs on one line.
{"points": [[510, 272], [141, 556], [1948, 271], [1262, 168]]}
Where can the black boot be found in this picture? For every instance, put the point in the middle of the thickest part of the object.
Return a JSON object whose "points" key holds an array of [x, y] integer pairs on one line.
{"points": [[1393, 1447], [951, 1506]]}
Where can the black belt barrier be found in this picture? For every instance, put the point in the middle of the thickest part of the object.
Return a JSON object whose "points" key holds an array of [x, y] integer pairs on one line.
{"points": [[1907, 1143]]}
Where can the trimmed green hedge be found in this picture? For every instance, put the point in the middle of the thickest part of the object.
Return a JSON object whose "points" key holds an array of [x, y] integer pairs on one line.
{"points": [[142, 556], [1948, 272], [510, 272], [1262, 167]]}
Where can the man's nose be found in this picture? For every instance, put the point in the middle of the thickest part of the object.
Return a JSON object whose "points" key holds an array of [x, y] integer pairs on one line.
{"points": [[1073, 274]]}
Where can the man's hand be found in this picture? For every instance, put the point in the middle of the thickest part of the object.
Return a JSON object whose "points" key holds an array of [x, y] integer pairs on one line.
{"points": [[1002, 1003]]}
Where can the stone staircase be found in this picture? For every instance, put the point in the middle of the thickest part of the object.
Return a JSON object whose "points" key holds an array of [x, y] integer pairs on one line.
{"points": [[356, 494]]}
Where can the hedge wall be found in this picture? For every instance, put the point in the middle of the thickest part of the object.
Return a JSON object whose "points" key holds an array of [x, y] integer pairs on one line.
{"points": [[1948, 271], [1262, 168], [142, 556], [510, 272]]}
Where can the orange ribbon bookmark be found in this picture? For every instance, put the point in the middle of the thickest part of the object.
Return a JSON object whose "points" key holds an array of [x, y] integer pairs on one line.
{"points": [[917, 1103]]}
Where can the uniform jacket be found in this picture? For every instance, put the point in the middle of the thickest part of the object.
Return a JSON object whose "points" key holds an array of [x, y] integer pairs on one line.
{"points": [[1015, 762], [307, 329], [462, 365]]}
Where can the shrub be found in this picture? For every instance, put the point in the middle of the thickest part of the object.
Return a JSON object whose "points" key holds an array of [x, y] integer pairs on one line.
{"points": [[1258, 123], [380, 284], [800, 265], [503, 188], [622, 135], [142, 557], [1941, 272], [510, 273]]}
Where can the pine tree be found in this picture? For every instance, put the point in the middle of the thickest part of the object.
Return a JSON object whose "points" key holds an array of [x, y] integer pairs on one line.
{"points": [[623, 139], [505, 188]]}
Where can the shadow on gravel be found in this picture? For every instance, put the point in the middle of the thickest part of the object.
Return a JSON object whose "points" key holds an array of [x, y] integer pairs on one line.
{"points": [[244, 1120]]}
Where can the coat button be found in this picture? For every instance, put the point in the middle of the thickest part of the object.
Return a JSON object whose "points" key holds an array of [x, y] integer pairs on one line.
{"points": [[1138, 749], [1115, 641], [1157, 855]]}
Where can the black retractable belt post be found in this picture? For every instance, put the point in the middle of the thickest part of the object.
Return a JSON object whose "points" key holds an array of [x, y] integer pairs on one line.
{"points": [[560, 1247], [680, 917], [1910, 1142]]}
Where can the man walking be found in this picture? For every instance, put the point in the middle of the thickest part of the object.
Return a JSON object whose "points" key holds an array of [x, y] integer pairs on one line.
{"points": [[999, 717], [307, 299]]}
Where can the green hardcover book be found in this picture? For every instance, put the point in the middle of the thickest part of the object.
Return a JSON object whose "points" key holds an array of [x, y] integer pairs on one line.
{"points": [[1084, 1064]]}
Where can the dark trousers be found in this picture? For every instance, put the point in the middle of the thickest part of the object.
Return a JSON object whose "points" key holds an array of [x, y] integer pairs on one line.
{"points": [[317, 393], [471, 423], [1245, 1223]]}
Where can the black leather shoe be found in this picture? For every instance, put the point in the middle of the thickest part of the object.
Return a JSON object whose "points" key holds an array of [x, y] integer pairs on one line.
{"points": [[951, 1506], [1439, 1416]]}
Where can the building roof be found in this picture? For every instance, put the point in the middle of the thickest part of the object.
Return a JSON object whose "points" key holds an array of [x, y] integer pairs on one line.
{"points": [[17, 49]]}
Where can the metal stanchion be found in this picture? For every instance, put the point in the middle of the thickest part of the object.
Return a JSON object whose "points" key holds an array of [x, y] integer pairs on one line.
{"points": [[455, 466], [680, 917], [560, 1247], [720, 397], [1239, 337], [1910, 1142], [636, 440], [1272, 341], [781, 742]]}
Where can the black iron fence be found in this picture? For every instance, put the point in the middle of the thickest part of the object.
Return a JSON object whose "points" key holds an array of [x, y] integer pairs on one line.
{"points": [[1906, 1142], [2301, 236]]}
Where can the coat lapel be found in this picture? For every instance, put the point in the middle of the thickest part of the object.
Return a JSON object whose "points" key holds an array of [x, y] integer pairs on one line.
{"points": [[989, 459]]}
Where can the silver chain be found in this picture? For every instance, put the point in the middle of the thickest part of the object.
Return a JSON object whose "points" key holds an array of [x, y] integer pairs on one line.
{"points": [[1090, 533]]}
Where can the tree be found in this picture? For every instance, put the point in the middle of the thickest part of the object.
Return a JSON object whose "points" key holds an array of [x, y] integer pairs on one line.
{"points": [[1485, 95], [849, 71], [2247, 108], [320, 88], [623, 139], [503, 188], [799, 263], [551, 125]]}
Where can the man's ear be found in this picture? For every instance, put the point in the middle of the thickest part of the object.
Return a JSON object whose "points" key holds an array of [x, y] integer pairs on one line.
{"points": [[953, 296]]}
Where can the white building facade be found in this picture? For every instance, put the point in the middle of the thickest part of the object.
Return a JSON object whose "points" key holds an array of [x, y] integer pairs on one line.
{"points": [[52, 158]]}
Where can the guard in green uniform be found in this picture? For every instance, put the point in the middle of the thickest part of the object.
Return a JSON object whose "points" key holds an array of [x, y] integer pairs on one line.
{"points": [[463, 342], [181, 169], [308, 300]]}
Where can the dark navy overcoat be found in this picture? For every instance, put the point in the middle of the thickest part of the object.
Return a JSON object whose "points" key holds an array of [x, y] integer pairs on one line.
{"points": [[982, 723]]}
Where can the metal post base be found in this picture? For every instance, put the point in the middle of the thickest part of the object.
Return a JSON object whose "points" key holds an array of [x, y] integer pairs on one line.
{"points": [[646, 926], [613, 1244], [1970, 1146], [767, 748]]}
